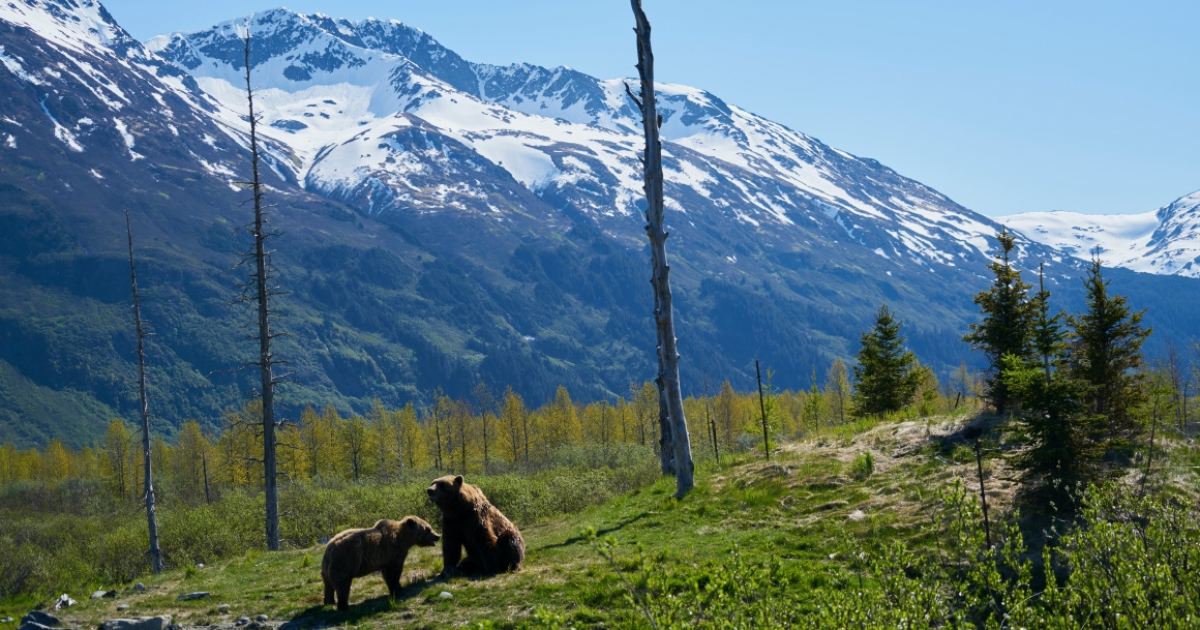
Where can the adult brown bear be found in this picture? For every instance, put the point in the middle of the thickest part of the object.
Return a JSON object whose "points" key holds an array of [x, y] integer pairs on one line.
{"points": [[469, 521], [361, 552]]}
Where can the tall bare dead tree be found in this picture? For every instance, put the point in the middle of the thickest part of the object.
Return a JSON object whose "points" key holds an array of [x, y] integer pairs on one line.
{"points": [[675, 431], [666, 446], [156, 560], [259, 292], [762, 407], [712, 422]]}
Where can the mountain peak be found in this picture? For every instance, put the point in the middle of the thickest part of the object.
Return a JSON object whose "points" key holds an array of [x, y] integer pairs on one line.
{"points": [[76, 25]]}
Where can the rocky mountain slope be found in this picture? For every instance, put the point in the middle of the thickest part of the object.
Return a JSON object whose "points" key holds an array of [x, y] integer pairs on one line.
{"points": [[444, 223]]}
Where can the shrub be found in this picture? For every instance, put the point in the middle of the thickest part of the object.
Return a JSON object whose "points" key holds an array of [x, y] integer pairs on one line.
{"points": [[862, 466]]}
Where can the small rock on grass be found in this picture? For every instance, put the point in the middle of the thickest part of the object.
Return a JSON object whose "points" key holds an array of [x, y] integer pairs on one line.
{"points": [[243, 621], [123, 607], [139, 587], [141, 623], [6, 620], [223, 608], [64, 601], [446, 595], [262, 618], [196, 595]]}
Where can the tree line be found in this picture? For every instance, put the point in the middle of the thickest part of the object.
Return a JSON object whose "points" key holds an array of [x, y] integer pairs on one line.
{"points": [[484, 433]]}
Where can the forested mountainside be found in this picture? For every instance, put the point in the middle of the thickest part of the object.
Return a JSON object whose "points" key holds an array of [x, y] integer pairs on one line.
{"points": [[443, 223]]}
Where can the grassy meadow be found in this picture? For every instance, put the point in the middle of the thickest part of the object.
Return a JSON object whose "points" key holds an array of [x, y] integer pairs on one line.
{"points": [[874, 524]]}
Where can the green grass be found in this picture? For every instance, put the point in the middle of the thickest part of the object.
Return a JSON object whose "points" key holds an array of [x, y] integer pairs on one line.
{"points": [[788, 532], [796, 507]]}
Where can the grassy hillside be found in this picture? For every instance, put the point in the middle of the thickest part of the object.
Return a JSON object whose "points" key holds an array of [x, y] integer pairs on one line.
{"points": [[816, 536]]}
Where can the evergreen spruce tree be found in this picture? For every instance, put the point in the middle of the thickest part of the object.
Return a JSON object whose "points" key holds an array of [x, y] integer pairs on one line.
{"points": [[885, 377], [1007, 322], [1052, 418], [1105, 352]]}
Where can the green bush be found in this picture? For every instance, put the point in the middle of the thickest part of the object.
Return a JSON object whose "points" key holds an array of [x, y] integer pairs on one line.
{"points": [[862, 466]]}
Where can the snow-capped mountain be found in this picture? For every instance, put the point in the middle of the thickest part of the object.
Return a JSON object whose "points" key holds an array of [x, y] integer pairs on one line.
{"points": [[378, 114], [1165, 241], [444, 223]]}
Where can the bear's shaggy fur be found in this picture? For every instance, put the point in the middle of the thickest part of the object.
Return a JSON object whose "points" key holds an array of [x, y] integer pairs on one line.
{"points": [[361, 552], [469, 521]]}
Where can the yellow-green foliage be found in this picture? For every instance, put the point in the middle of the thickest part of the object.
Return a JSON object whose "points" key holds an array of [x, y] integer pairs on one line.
{"points": [[449, 435]]}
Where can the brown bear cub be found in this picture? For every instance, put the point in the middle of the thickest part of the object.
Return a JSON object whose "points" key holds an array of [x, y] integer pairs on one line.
{"points": [[361, 552], [469, 521]]}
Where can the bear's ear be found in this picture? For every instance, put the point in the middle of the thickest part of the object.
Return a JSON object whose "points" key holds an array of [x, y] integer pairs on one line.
{"points": [[458, 482]]}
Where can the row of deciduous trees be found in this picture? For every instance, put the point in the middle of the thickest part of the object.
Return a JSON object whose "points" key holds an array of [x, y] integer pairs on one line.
{"points": [[489, 433]]}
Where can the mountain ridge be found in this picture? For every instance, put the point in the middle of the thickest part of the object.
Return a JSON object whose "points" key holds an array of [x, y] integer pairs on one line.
{"points": [[1164, 241], [434, 239]]}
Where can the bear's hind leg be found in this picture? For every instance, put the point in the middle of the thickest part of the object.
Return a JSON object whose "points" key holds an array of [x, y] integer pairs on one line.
{"points": [[343, 595], [470, 565], [328, 590]]}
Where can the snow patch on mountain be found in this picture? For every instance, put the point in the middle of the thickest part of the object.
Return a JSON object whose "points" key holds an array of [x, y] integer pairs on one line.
{"points": [[16, 67], [1118, 237], [123, 129]]}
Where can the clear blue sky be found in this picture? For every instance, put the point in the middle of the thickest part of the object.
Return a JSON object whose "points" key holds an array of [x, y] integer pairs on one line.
{"points": [[1006, 107]]}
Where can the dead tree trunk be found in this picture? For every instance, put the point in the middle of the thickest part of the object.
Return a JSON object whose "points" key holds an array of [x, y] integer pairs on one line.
{"points": [[204, 463], [762, 406], [262, 293], [668, 353], [666, 447], [712, 423], [156, 560]]}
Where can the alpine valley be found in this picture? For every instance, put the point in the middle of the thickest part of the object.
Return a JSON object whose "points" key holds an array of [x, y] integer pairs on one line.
{"points": [[442, 223]]}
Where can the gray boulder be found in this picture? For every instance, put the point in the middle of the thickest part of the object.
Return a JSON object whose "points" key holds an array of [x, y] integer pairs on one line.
{"points": [[141, 623], [33, 625], [196, 595], [43, 618]]}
